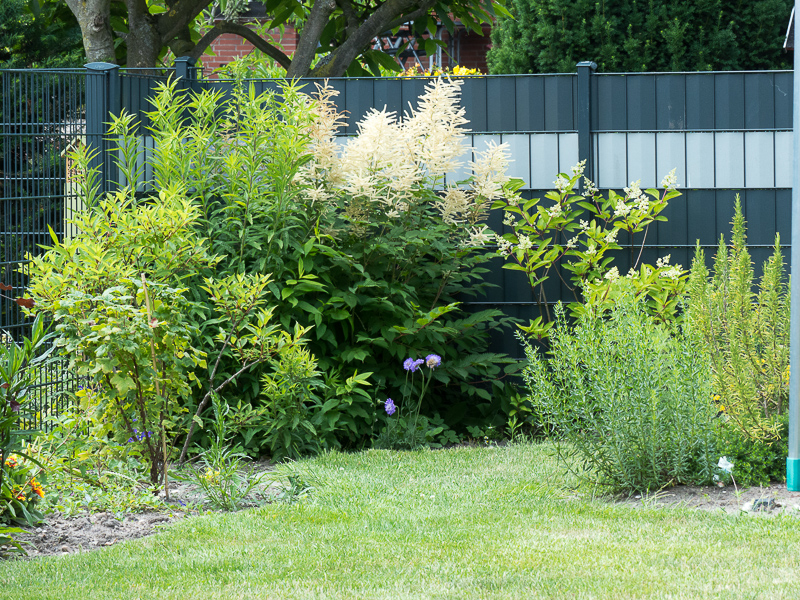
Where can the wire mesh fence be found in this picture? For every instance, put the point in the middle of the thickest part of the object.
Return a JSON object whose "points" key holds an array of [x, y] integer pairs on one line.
{"points": [[43, 116]]}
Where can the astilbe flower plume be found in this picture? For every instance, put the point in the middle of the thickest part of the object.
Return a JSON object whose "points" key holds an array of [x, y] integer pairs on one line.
{"points": [[384, 169]]}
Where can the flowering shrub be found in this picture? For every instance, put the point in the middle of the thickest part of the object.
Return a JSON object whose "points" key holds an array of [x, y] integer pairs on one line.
{"points": [[417, 71], [578, 233], [366, 254], [19, 365], [20, 493], [367, 248], [747, 333]]}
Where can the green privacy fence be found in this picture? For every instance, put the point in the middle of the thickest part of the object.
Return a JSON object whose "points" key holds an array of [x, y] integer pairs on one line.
{"points": [[724, 132]]}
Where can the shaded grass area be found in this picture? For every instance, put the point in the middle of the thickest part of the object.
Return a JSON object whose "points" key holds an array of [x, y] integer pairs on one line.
{"points": [[459, 523]]}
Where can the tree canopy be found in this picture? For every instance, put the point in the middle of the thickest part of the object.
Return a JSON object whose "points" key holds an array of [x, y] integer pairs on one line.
{"points": [[339, 33], [36, 35], [546, 36]]}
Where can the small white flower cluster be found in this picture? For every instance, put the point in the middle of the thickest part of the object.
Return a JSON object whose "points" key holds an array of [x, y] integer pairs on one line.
{"points": [[561, 183], [611, 236], [613, 274], [572, 243], [525, 243], [622, 209], [504, 247], [633, 192], [579, 168], [674, 272], [589, 188], [555, 211], [490, 171], [670, 181]]}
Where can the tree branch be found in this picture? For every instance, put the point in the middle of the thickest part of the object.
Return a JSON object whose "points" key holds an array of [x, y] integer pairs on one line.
{"points": [[309, 37], [246, 33], [182, 13], [373, 26], [412, 16], [350, 16]]}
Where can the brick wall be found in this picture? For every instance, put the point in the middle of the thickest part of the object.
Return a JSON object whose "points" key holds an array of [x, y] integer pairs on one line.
{"points": [[472, 53], [229, 46]]}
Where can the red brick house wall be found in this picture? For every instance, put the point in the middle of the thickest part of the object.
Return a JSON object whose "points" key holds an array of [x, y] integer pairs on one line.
{"points": [[468, 49]]}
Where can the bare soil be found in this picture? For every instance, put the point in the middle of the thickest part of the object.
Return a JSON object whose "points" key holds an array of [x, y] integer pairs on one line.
{"points": [[66, 535], [773, 499], [60, 535]]}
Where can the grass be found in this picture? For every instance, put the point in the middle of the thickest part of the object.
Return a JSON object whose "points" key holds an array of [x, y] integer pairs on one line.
{"points": [[460, 523]]}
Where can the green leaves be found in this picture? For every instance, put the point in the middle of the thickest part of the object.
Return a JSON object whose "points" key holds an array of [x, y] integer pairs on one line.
{"points": [[576, 235]]}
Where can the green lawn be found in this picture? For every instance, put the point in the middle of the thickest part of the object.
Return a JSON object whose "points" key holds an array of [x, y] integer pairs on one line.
{"points": [[460, 523]]}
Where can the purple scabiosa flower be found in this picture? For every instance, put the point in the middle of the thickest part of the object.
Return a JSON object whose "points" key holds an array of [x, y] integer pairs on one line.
{"points": [[411, 364], [433, 360], [389, 406]]}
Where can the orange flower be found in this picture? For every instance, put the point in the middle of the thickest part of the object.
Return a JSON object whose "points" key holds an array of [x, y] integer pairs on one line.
{"points": [[37, 488]]}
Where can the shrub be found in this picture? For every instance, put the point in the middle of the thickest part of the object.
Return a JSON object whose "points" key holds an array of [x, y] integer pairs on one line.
{"points": [[363, 249], [575, 238], [756, 461], [746, 332], [626, 396], [20, 365], [253, 222]]}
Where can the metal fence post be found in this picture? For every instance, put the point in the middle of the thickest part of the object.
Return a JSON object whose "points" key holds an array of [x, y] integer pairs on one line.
{"points": [[102, 100], [186, 75], [585, 70], [793, 458]]}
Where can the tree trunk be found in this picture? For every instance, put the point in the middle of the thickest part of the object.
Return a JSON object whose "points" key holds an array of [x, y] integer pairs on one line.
{"points": [[144, 41], [94, 18]]}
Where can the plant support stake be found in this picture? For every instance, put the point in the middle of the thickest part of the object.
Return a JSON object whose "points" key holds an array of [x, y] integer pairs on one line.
{"points": [[793, 460]]}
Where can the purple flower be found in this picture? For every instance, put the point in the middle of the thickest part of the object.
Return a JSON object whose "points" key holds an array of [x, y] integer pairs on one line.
{"points": [[433, 360], [389, 406], [138, 436], [411, 364]]}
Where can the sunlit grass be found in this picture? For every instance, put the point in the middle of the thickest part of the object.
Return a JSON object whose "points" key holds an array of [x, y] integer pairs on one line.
{"points": [[460, 523]]}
